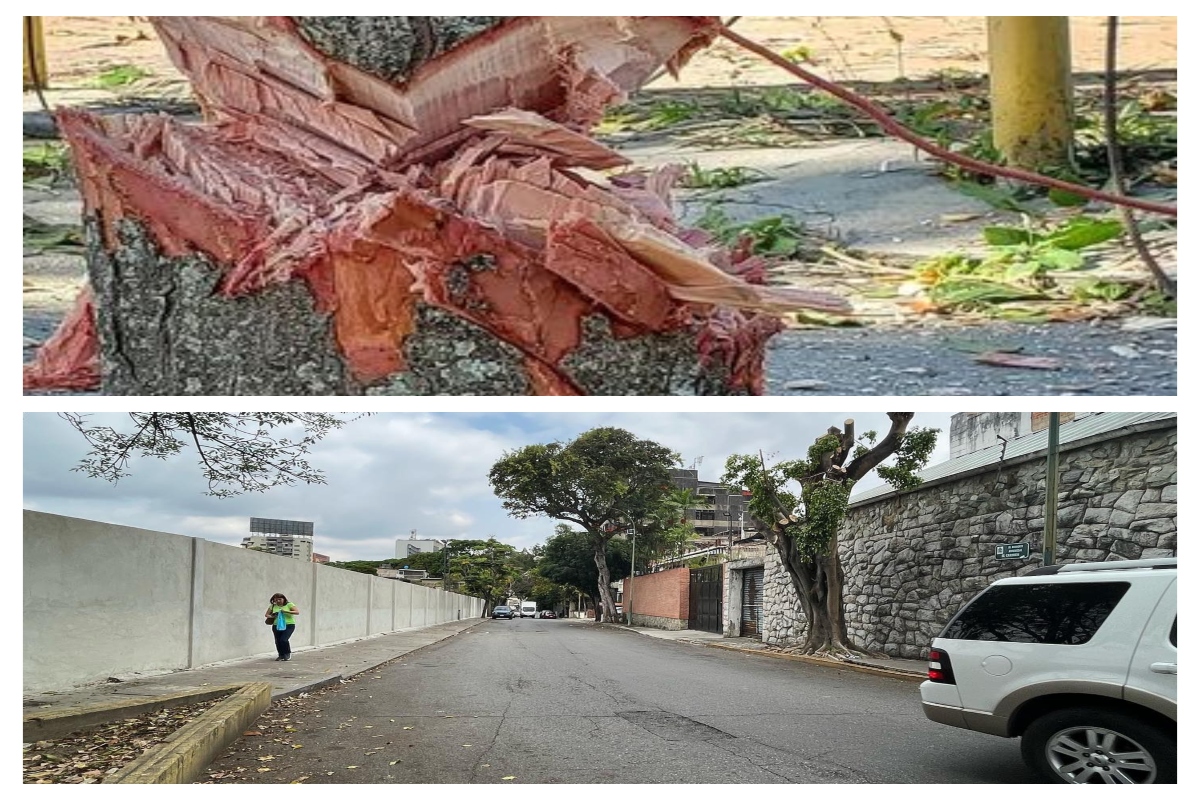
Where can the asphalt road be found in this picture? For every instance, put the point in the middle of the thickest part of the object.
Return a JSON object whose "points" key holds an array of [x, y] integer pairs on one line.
{"points": [[556, 701], [1087, 359]]}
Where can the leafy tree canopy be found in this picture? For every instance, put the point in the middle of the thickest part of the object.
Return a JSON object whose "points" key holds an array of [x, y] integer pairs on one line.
{"points": [[605, 476], [567, 559]]}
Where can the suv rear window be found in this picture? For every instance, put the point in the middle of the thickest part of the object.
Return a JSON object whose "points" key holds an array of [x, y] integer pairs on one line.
{"points": [[1051, 613]]}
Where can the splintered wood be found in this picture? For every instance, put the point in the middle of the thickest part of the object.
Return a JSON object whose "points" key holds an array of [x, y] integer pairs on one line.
{"points": [[454, 228]]}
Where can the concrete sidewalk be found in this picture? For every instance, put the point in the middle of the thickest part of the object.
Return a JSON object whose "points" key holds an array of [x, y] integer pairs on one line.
{"points": [[900, 667], [311, 668]]}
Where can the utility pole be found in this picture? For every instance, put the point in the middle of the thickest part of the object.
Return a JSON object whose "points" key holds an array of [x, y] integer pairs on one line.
{"points": [[1032, 90], [632, 575], [1050, 533], [33, 52]]}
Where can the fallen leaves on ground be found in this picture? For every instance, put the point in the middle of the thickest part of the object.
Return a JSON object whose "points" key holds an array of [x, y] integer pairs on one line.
{"points": [[1018, 361], [92, 755]]}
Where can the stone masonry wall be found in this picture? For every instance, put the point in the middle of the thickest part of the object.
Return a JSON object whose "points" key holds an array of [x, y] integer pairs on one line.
{"points": [[913, 560]]}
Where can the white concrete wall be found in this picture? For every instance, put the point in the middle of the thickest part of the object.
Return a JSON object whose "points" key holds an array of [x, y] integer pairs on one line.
{"points": [[403, 605], [234, 591], [97, 598], [102, 600], [421, 596], [381, 604]]}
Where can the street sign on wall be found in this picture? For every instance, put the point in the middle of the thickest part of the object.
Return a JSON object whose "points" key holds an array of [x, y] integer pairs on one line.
{"points": [[1012, 552]]}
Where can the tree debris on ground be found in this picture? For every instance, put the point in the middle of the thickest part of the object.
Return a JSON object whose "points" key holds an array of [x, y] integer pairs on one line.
{"points": [[92, 755], [403, 205]]}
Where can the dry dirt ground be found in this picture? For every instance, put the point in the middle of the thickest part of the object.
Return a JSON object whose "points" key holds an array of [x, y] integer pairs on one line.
{"points": [[845, 48]]}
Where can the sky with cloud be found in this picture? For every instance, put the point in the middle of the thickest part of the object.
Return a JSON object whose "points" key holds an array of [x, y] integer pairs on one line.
{"points": [[391, 474]]}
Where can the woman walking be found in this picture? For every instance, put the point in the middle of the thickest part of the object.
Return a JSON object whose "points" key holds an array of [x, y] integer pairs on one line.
{"points": [[281, 615]]}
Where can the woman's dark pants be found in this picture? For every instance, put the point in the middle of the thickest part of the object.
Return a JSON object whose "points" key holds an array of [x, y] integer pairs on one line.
{"points": [[281, 639]]}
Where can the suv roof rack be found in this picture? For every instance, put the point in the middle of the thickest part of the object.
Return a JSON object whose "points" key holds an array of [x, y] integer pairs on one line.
{"points": [[1145, 563]]}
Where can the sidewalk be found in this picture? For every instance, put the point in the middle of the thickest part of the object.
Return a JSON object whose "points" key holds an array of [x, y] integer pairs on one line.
{"points": [[310, 669], [900, 667]]}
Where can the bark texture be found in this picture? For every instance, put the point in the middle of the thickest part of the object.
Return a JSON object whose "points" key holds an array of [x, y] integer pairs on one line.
{"points": [[164, 331], [606, 609], [392, 48]]}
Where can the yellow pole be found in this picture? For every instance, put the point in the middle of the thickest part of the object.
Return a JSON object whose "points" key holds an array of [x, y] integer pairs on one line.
{"points": [[33, 49], [1032, 92]]}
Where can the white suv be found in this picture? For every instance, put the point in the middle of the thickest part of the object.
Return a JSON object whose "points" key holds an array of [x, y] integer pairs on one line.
{"points": [[1079, 660]]}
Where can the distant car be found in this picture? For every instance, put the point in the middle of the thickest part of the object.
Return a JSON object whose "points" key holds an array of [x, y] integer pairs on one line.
{"points": [[548, 615], [502, 612]]}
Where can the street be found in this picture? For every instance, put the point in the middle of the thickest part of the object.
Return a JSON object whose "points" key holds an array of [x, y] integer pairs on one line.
{"points": [[561, 701]]}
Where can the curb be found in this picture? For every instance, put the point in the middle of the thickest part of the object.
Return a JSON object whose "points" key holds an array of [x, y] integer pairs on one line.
{"points": [[187, 752], [873, 669], [868, 668], [59, 722]]}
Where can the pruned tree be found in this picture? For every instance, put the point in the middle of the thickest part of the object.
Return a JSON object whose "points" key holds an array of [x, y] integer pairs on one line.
{"points": [[238, 453], [604, 481], [803, 527]]}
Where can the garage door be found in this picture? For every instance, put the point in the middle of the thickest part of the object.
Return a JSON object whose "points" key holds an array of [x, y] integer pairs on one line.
{"points": [[752, 602]]}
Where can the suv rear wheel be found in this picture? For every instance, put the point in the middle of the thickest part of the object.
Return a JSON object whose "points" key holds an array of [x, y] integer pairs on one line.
{"points": [[1095, 745]]}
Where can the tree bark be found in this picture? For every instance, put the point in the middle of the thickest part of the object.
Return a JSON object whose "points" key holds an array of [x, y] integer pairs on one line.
{"points": [[392, 48], [603, 579], [818, 585]]}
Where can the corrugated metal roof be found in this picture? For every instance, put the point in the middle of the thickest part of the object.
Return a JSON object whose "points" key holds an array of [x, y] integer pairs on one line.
{"points": [[1084, 428]]}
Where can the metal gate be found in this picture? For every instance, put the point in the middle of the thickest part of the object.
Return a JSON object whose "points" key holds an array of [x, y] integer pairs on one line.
{"points": [[704, 599], [752, 602]]}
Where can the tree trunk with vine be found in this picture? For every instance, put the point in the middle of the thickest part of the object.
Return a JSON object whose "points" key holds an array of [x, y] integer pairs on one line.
{"points": [[807, 544]]}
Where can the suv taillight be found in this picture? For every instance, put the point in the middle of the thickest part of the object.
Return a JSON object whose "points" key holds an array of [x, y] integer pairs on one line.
{"points": [[940, 670]]}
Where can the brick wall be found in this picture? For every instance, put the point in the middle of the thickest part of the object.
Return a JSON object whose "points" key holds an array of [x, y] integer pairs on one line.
{"points": [[659, 600]]}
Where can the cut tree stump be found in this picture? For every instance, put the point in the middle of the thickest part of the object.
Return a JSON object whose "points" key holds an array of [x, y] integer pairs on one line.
{"points": [[402, 206]]}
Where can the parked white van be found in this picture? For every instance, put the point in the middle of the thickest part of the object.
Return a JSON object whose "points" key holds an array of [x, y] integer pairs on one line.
{"points": [[528, 609]]}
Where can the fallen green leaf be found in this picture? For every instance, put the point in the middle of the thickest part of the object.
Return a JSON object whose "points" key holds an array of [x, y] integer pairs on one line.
{"points": [[121, 75], [1084, 232]]}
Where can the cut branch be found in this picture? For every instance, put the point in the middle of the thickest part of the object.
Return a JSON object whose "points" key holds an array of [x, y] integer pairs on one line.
{"points": [[862, 465]]}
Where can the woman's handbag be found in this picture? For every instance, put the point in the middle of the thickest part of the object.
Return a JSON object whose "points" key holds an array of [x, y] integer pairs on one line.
{"points": [[271, 619]]}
